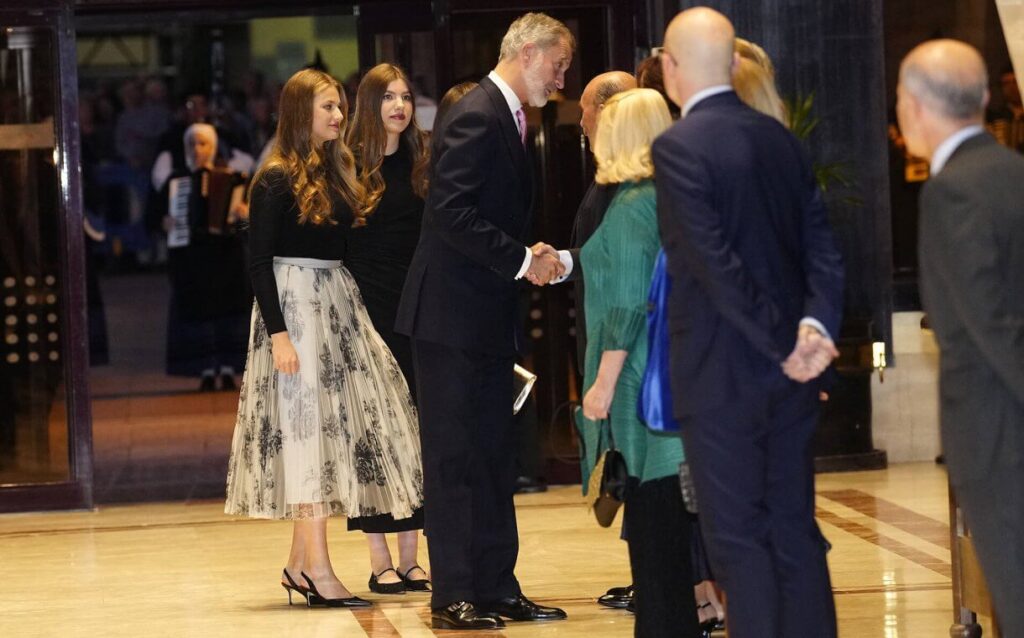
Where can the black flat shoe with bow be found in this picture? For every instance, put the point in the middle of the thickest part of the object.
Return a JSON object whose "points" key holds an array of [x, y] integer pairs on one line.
{"points": [[415, 584], [386, 588], [463, 615]]}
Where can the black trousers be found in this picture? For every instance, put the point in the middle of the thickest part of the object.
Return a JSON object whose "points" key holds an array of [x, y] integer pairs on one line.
{"points": [[465, 406], [995, 515], [660, 559], [753, 471], [527, 428]]}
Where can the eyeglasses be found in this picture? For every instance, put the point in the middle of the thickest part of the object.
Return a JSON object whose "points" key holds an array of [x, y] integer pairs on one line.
{"points": [[658, 52]]}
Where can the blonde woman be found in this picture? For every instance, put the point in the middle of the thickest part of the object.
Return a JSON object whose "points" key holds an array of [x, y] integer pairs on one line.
{"points": [[617, 264], [755, 85], [752, 51]]}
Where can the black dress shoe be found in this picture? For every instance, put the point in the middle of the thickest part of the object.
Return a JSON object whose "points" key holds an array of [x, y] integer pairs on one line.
{"points": [[631, 607], [617, 597], [530, 485], [227, 382], [712, 628], [463, 615], [207, 384], [522, 608]]}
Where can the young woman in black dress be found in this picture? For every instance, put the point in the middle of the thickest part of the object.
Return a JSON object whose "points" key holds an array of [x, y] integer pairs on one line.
{"points": [[392, 161], [326, 424]]}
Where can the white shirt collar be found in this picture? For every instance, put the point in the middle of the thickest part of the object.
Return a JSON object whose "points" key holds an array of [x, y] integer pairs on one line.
{"points": [[950, 144], [706, 93], [514, 104]]}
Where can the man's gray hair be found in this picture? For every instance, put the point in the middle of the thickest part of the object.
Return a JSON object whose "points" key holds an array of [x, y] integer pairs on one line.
{"points": [[955, 98], [537, 28]]}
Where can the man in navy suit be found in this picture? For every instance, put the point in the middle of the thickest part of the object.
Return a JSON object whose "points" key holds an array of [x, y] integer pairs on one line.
{"points": [[756, 293], [459, 307]]}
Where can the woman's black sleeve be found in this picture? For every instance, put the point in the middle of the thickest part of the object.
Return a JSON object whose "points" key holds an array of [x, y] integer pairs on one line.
{"points": [[271, 201]]}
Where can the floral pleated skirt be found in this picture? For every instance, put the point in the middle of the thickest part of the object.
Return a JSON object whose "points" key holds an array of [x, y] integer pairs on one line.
{"points": [[341, 436]]}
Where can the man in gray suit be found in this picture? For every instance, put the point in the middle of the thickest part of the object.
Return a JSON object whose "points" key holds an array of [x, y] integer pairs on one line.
{"points": [[972, 283]]}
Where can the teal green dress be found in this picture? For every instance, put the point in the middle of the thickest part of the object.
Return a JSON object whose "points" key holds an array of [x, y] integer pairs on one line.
{"points": [[618, 261]]}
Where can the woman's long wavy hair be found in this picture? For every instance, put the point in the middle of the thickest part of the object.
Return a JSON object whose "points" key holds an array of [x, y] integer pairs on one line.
{"points": [[314, 172], [368, 138]]}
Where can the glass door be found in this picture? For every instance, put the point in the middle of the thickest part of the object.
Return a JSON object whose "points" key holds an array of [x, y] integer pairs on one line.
{"points": [[45, 453]]}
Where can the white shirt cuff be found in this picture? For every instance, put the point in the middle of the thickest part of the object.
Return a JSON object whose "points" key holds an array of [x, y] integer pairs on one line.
{"points": [[817, 325], [566, 259], [526, 263]]}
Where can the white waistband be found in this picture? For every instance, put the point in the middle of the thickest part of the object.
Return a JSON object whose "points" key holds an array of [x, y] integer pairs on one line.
{"points": [[308, 262]]}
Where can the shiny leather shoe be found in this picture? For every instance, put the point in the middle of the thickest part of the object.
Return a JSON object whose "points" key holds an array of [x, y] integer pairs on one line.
{"points": [[617, 597], [292, 586], [530, 485], [712, 628], [521, 608], [463, 615], [314, 599]]}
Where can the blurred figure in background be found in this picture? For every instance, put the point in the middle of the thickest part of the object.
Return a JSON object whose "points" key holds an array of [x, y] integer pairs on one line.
{"points": [[210, 295]]}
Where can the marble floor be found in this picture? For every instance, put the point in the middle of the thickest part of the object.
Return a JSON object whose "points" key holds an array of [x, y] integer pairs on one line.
{"points": [[185, 569]]}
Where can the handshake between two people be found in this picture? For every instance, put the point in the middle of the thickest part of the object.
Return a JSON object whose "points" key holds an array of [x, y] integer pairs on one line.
{"points": [[545, 267]]}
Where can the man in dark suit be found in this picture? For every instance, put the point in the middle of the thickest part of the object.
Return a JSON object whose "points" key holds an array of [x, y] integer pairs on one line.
{"points": [[459, 308], [971, 251], [598, 196], [755, 275], [589, 216]]}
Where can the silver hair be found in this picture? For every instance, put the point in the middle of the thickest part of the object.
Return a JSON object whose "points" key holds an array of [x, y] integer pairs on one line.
{"points": [[536, 28], [957, 100], [190, 134]]}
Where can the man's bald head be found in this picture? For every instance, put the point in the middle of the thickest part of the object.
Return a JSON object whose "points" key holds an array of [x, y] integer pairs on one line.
{"points": [[948, 77], [943, 87], [699, 47], [597, 92], [608, 84]]}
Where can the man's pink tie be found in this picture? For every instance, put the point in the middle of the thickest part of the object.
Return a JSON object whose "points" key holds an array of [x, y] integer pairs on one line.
{"points": [[521, 121]]}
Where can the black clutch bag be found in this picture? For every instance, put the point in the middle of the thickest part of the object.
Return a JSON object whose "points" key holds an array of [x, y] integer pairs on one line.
{"points": [[606, 489], [611, 475]]}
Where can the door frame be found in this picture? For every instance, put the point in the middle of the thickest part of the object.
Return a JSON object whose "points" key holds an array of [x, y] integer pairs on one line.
{"points": [[77, 491]]}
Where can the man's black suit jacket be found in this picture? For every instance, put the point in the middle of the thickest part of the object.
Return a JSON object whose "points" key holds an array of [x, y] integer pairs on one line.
{"points": [[461, 289], [971, 252], [749, 248]]}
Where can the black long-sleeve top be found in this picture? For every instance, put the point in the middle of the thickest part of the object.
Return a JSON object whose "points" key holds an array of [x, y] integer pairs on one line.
{"points": [[275, 231]]}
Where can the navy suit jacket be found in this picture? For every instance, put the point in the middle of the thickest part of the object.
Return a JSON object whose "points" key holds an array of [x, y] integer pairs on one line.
{"points": [[749, 247], [461, 288]]}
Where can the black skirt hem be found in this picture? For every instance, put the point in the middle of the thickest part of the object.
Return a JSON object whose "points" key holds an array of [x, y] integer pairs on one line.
{"points": [[386, 523]]}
